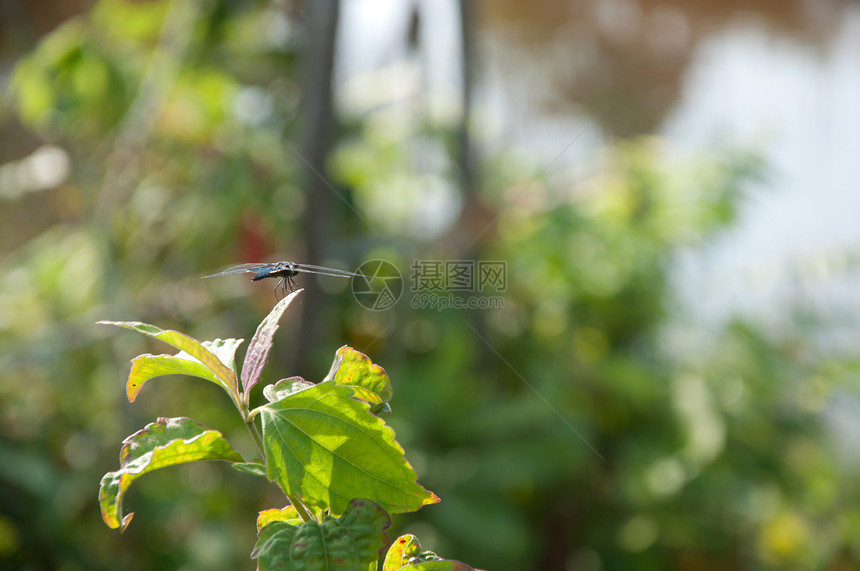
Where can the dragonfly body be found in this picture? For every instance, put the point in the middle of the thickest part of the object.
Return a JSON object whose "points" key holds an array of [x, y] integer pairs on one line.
{"points": [[286, 271], [278, 270]]}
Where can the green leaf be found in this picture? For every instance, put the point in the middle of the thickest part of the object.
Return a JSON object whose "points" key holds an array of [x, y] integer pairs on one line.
{"points": [[146, 367], [193, 348], [166, 442], [261, 344], [327, 448], [405, 553], [351, 542], [355, 369], [159, 433]]}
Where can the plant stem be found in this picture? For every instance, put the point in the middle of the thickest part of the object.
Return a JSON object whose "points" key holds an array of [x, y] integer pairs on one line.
{"points": [[243, 406], [255, 434]]}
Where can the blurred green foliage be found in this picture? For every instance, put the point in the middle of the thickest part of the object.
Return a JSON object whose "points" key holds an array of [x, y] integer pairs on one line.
{"points": [[174, 117]]}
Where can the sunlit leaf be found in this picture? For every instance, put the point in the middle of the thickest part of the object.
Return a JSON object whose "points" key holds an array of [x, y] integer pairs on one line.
{"points": [[401, 552], [159, 433], [167, 442], [191, 347], [355, 369], [351, 542], [406, 553], [325, 446], [261, 344], [146, 367]]}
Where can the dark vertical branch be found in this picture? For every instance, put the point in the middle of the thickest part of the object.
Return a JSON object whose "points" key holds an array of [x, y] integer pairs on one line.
{"points": [[474, 215], [465, 159], [316, 131]]}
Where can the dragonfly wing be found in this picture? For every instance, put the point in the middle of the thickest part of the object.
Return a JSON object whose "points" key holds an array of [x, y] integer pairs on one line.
{"points": [[323, 271], [241, 269]]}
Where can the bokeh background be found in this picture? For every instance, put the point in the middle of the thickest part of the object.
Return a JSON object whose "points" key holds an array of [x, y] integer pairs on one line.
{"points": [[671, 381]]}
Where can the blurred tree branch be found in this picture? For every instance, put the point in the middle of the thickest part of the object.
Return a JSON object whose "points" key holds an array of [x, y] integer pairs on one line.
{"points": [[122, 165], [121, 169]]}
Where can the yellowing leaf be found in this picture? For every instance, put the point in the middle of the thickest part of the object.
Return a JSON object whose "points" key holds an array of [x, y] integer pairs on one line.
{"points": [[164, 443], [355, 369]]}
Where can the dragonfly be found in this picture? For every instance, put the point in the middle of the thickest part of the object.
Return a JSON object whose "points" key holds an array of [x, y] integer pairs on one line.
{"points": [[286, 271]]}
